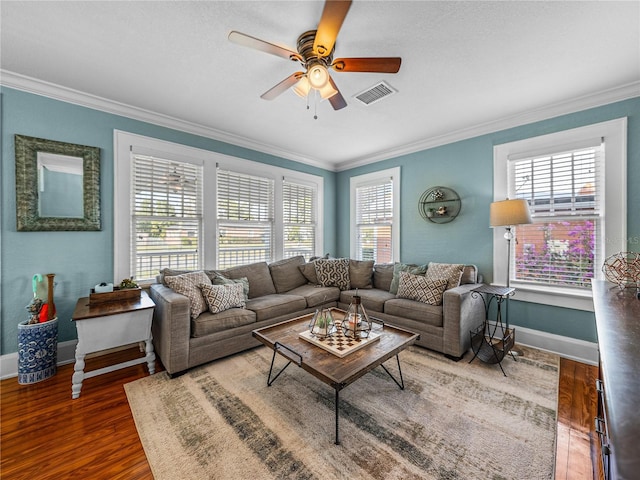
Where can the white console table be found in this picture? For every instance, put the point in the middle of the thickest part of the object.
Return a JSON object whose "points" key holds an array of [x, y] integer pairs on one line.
{"points": [[108, 325]]}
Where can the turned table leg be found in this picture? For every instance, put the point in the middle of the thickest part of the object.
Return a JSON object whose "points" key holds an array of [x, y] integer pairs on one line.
{"points": [[78, 373]]}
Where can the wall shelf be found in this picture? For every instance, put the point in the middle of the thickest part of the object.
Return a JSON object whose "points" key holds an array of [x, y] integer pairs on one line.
{"points": [[439, 205]]}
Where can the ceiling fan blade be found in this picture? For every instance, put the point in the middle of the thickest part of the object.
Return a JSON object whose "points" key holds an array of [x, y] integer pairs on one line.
{"points": [[333, 15], [252, 42], [337, 101], [283, 86], [373, 64]]}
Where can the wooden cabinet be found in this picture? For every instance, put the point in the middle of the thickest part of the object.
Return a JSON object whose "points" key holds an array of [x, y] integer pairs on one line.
{"points": [[618, 423]]}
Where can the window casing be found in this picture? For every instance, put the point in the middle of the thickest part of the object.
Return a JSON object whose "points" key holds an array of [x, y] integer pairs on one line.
{"points": [[375, 216], [194, 233], [575, 183]]}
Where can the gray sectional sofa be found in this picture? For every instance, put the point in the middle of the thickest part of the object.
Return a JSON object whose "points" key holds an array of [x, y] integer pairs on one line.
{"points": [[289, 288]]}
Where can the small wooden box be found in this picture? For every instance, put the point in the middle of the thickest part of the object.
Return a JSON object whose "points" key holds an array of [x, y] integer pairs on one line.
{"points": [[117, 295]]}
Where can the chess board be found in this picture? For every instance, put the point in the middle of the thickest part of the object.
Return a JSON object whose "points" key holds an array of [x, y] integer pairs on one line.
{"points": [[338, 344]]}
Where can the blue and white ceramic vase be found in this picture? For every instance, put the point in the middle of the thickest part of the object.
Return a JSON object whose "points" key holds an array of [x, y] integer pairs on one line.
{"points": [[37, 351]]}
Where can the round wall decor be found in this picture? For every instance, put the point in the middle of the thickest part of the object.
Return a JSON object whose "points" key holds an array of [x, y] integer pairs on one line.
{"points": [[439, 205]]}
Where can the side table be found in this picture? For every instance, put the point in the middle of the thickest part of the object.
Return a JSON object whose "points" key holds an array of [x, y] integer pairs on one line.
{"points": [[112, 324], [491, 343]]}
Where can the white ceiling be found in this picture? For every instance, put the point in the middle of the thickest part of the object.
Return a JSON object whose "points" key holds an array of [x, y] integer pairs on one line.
{"points": [[467, 67]]}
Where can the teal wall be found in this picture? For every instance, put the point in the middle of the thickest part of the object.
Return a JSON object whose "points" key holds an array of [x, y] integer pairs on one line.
{"points": [[467, 167], [83, 259]]}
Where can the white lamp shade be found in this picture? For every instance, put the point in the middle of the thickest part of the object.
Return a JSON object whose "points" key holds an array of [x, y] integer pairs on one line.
{"points": [[318, 76], [302, 87], [509, 212], [327, 91]]}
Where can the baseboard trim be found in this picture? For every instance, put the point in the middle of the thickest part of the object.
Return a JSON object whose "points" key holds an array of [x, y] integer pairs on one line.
{"points": [[567, 347]]}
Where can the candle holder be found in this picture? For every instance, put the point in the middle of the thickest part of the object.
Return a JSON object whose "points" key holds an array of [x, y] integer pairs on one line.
{"points": [[322, 324], [356, 323]]}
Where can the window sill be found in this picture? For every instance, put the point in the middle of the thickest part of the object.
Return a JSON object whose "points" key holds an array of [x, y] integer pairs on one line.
{"points": [[555, 296]]}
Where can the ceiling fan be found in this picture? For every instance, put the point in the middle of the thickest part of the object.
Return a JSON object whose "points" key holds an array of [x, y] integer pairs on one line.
{"points": [[315, 49]]}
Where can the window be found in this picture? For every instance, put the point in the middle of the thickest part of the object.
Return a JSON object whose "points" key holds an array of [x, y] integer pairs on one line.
{"points": [[187, 208], [574, 182], [245, 218], [375, 216], [166, 215], [299, 217], [564, 192]]}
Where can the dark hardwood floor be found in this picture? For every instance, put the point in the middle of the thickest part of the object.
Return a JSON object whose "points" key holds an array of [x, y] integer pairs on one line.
{"points": [[47, 435]]}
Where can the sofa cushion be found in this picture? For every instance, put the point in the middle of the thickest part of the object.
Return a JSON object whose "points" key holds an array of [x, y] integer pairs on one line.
{"points": [[223, 297], [372, 299], [309, 272], [404, 267], [361, 273], [258, 275], [382, 276], [451, 272], [420, 288], [217, 279], [469, 275], [209, 323], [418, 311], [333, 272], [274, 305], [187, 284], [286, 275], [315, 295]]}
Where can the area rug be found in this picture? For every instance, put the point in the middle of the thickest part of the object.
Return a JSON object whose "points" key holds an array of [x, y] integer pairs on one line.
{"points": [[454, 420]]}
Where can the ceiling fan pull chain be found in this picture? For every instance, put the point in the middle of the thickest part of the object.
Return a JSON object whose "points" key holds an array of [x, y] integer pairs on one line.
{"points": [[315, 104]]}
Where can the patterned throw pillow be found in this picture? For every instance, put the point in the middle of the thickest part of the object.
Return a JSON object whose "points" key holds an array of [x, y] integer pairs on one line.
{"points": [[218, 279], [420, 288], [451, 272], [404, 267], [187, 285], [333, 272], [223, 297]]}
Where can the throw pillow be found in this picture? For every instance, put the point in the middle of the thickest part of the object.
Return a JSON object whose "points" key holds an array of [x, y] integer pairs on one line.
{"points": [[218, 279], [361, 273], [187, 285], [420, 288], [451, 272], [404, 267], [333, 272], [223, 297]]}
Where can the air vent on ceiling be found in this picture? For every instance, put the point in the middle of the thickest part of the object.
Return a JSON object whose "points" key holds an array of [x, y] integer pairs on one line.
{"points": [[375, 94]]}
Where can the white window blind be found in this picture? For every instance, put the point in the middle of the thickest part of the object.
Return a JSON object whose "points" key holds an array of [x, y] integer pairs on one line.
{"points": [[299, 219], [166, 215], [565, 194], [374, 221], [245, 218]]}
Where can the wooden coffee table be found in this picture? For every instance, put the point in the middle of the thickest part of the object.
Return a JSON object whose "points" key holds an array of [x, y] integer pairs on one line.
{"points": [[284, 339]]}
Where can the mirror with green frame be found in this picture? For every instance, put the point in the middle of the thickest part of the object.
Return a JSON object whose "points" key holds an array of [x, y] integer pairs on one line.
{"points": [[57, 185]]}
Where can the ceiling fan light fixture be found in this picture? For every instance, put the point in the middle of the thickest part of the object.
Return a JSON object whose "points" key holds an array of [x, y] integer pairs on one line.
{"points": [[302, 87], [318, 76]]}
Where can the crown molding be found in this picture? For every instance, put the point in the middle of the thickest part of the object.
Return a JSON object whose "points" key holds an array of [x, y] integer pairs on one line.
{"points": [[57, 92], [577, 104]]}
